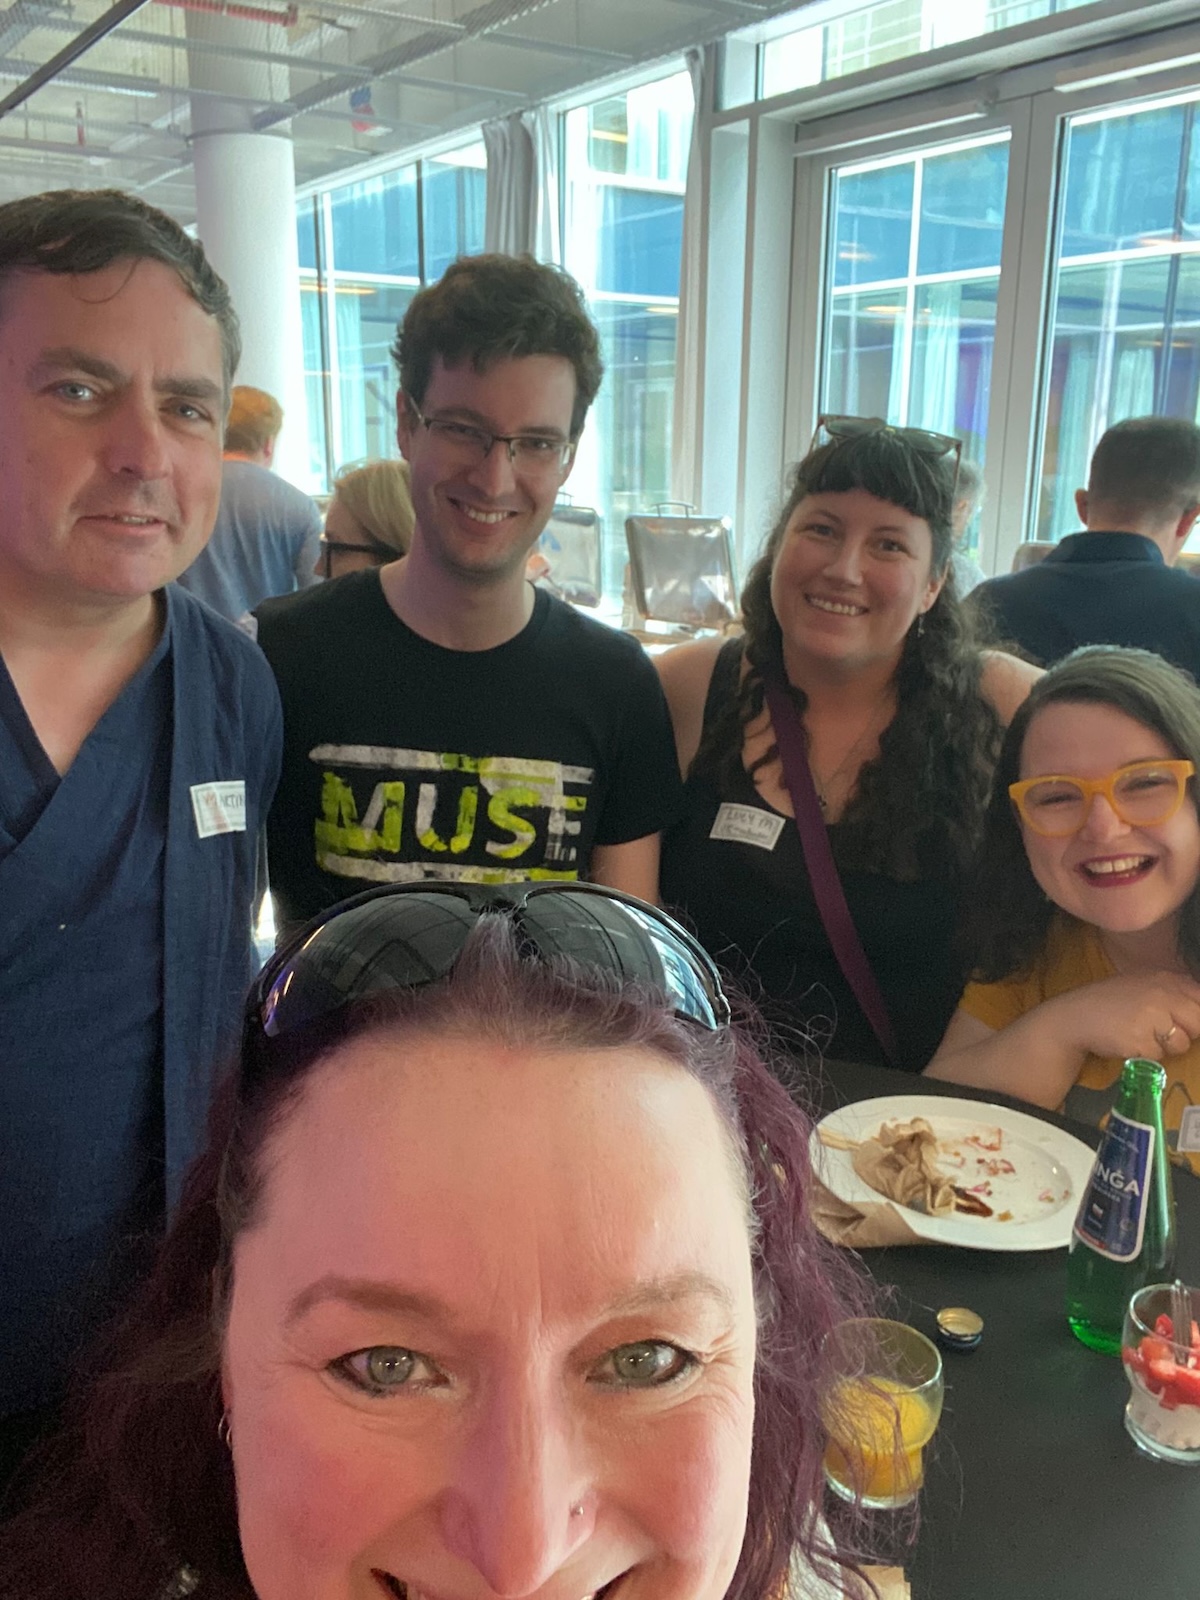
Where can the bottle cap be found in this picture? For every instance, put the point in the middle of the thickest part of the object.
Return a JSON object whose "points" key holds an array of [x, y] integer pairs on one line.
{"points": [[958, 1328]]}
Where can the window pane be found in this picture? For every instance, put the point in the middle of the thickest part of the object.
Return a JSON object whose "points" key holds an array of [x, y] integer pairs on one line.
{"points": [[962, 209], [641, 236], [1104, 366], [366, 316], [1122, 180], [1124, 335], [872, 224], [919, 351], [306, 239], [953, 341], [865, 358], [452, 192], [311, 311], [375, 225], [625, 165]]}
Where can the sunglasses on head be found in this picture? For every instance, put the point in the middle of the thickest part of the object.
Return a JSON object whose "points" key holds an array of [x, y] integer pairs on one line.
{"points": [[404, 936], [831, 429]]}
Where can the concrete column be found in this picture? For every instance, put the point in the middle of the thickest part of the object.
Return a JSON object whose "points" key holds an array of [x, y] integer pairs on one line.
{"points": [[246, 220]]}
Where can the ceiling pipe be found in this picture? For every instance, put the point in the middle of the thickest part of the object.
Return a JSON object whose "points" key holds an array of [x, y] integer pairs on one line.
{"points": [[231, 8], [92, 34]]}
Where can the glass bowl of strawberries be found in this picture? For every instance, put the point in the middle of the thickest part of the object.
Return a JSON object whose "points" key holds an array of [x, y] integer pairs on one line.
{"points": [[1161, 1352]]}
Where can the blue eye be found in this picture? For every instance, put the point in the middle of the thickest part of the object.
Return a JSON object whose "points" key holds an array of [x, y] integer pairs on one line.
{"points": [[384, 1369], [646, 1364]]}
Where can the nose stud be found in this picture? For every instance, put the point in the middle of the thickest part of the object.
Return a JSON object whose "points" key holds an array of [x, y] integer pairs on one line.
{"points": [[577, 1509]]}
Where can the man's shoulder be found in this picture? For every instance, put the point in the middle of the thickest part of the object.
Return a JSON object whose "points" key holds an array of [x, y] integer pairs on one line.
{"points": [[235, 660], [601, 643], [321, 606]]}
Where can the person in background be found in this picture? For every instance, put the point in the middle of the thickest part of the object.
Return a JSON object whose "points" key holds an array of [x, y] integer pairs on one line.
{"points": [[369, 519], [1085, 920], [443, 718], [851, 611], [968, 498], [139, 747], [1115, 583], [265, 539], [499, 1277]]}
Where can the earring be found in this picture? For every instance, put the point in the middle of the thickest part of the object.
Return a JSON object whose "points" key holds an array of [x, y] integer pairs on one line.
{"points": [[224, 1431], [920, 625]]}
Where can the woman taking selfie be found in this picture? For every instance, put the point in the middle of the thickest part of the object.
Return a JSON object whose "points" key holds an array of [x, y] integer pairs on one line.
{"points": [[1086, 917], [857, 703], [497, 1279]]}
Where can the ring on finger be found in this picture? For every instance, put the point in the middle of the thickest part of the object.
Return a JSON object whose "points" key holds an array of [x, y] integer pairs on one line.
{"points": [[1164, 1039]]}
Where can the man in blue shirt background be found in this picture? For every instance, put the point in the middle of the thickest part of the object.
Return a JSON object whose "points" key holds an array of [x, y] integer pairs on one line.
{"points": [[267, 536], [139, 749], [1115, 583]]}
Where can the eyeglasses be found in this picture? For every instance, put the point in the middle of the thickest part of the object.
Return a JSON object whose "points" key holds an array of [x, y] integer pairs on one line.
{"points": [[532, 452], [1141, 793], [404, 936], [379, 553], [933, 445]]}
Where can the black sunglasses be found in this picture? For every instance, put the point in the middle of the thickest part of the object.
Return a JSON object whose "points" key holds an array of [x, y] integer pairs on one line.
{"points": [[403, 936], [922, 440], [379, 553]]}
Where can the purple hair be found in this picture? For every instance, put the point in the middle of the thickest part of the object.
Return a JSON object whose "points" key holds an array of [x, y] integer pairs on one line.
{"points": [[139, 1487]]}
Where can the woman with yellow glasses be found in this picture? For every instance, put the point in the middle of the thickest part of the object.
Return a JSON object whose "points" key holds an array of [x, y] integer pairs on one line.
{"points": [[1085, 921]]}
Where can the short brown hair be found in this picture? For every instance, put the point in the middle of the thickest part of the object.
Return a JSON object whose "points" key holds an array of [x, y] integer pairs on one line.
{"points": [[85, 230], [493, 308], [255, 418], [1147, 464]]}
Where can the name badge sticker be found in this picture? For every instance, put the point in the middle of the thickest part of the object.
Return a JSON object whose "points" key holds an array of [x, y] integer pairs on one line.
{"points": [[1189, 1130], [747, 825], [219, 807]]}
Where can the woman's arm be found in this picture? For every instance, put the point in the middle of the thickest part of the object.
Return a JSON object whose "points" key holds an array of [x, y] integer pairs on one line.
{"points": [[686, 673], [1039, 1056], [1006, 681]]}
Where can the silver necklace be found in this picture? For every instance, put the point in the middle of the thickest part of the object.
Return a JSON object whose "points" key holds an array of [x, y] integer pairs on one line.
{"points": [[823, 785]]}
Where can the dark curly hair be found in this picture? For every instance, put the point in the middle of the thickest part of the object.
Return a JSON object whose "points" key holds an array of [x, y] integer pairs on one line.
{"points": [[1008, 915], [86, 230], [485, 309], [916, 808], [138, 1496]]}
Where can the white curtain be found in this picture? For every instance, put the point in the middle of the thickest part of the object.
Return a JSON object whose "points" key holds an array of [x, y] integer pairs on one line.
{"points": [[522, 214], [1133, 384], [935, 406], [1074, 440], [689, 401]]}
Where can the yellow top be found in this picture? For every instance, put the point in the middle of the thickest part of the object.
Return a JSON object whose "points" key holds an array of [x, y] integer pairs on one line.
{"points": [[1073, 956]]}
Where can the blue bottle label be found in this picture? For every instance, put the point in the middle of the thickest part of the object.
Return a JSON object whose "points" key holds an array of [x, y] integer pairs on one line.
{"points": [[1112, 1215]]}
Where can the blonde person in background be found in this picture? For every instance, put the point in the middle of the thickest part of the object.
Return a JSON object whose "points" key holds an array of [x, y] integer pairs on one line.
{"points": [[369, 520]]}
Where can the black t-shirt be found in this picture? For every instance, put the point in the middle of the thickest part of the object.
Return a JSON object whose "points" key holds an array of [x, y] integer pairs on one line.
{"points": [[403, 760]]}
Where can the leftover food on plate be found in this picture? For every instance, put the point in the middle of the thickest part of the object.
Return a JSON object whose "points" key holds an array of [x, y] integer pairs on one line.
{"points": [[969, 1174]]}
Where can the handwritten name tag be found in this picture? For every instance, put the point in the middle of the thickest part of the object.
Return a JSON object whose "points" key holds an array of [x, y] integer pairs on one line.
{"points": [[747, 825], [219, 807], [1189, 1130]]}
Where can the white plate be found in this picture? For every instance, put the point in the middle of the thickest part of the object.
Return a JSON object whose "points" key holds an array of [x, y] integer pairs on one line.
{"points": [[1050, 1169]]}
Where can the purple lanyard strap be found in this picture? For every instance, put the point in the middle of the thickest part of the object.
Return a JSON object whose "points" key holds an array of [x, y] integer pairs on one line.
{"points": [[792, 744]]}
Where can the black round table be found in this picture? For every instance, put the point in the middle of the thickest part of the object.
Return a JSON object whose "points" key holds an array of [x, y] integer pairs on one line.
{"points": [[1034, 1491]]}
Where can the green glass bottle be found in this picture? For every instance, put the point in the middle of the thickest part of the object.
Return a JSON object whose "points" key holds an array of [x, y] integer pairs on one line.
{"points": [[1124, 1233]]}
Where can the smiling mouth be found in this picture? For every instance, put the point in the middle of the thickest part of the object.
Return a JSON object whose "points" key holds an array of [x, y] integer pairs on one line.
{"points": [[1110, 871], [835, 608], [401, 1591], [478, 514]]}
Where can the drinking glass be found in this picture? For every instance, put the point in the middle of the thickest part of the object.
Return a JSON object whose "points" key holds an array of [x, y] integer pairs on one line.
{"points": [[882, 1410], [1161, 1351]]}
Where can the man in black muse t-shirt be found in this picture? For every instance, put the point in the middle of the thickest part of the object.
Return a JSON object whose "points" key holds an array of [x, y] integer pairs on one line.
{"points": [[442, 718]]}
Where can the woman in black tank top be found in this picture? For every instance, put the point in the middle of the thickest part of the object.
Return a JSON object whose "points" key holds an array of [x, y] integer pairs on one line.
{"points": [[852, 604]]}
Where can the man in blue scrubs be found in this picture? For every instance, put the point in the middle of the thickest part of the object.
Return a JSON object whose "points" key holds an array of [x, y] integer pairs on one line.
{"points": [[139, 748]]}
